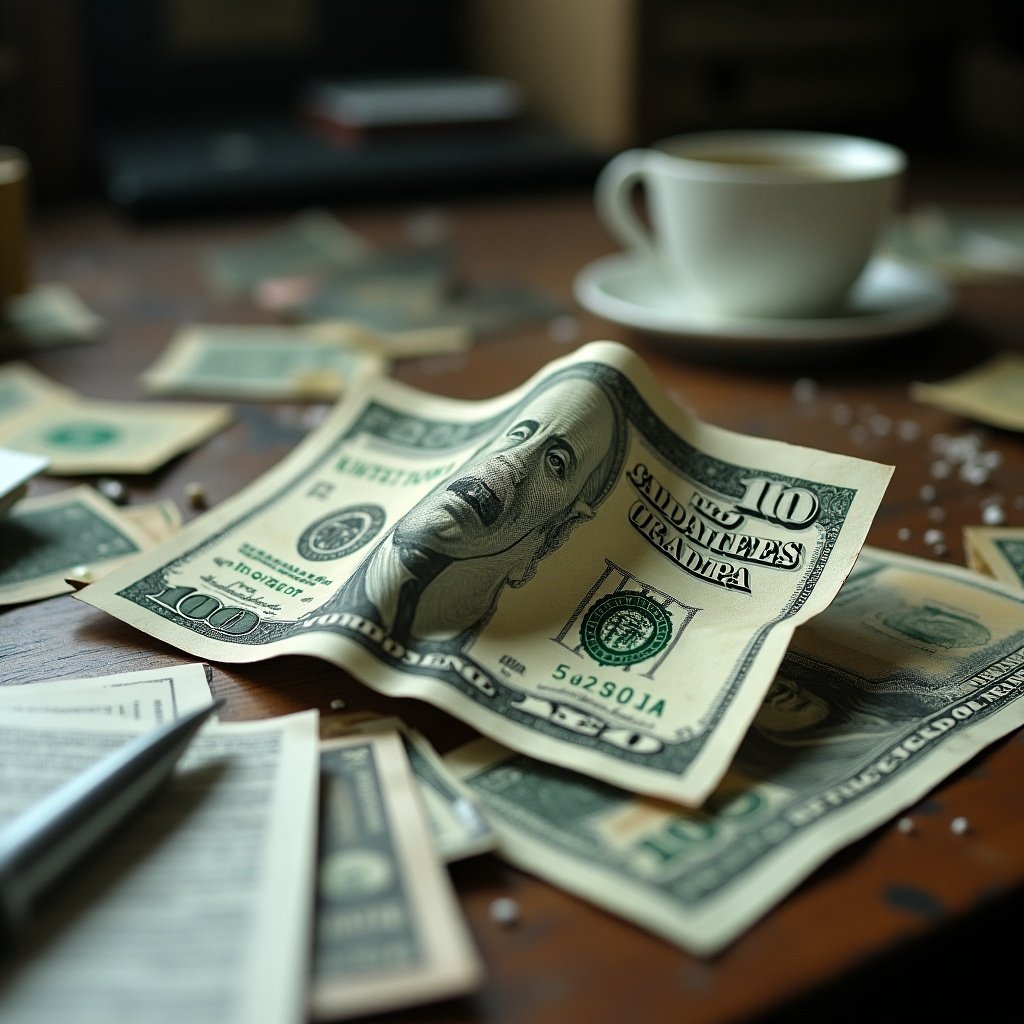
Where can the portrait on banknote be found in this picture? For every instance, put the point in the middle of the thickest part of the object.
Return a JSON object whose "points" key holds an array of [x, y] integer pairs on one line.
{"points": [[893, 657], [438, 575], [819, 719]]}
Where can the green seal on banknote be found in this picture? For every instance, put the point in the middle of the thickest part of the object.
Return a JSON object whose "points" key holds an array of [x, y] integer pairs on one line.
{"points": [[341, 532], [82, 435], [625, 628]]}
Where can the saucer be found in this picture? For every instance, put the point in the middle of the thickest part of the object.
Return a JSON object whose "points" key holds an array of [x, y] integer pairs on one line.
{"points": [[889, 298]]}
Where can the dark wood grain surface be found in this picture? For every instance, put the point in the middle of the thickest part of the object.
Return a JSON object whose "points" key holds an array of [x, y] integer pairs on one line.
{"points": [[919, 905]]}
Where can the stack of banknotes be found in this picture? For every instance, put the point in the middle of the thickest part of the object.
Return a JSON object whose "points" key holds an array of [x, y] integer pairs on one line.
{"points": [[691, 680]]}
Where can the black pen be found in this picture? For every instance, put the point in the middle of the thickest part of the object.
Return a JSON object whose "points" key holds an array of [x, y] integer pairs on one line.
{"points": [[42, 842]]}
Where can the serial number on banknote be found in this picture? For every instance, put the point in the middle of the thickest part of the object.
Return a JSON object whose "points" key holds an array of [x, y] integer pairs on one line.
{"points": [[616, 693]]}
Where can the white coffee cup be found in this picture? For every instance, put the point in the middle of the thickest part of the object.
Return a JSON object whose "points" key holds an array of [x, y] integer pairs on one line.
{"points": [[754, 223]]}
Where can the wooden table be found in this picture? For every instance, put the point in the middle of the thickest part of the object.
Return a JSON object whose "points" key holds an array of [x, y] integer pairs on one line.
{"points": [[914, 910]]}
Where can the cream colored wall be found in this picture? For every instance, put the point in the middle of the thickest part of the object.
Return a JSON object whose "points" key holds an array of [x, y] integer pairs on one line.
{"points": [[573, 58]]}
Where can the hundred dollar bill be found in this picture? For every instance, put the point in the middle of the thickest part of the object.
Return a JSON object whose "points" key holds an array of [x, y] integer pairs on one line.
{"points": [[84, 436], [577, 568], [458, 826], [991, 393], [913, 669], [264, 362], [997, 551], [389, 932], [71, 533]]}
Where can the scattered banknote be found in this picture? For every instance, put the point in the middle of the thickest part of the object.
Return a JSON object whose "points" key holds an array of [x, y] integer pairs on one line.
{"points": [[314, 269], [263, 362], [24, 390], [914, 668], [578, 568], [489, 308], [424, 270], [386, 289], [996, 551], [17, 469], [481, 309], [399, 312], [47, 316], [75, 532], [83, 436], [389, 932], [458, 826], [962, 243], [991, 393], [313, 242]]}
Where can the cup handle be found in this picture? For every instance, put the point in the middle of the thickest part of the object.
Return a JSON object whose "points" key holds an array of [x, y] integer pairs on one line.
{"points": [[613, 193]]}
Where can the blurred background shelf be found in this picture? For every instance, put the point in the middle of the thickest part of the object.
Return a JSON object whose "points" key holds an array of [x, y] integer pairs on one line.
{"points": [[176, 105]]}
